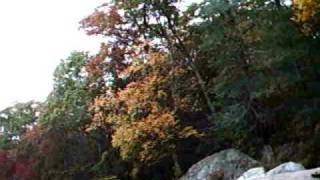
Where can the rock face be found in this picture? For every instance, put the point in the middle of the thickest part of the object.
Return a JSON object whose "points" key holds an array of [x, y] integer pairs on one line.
{"points": [[253, 173], [225, 165], [286, 169], [298, 175]]}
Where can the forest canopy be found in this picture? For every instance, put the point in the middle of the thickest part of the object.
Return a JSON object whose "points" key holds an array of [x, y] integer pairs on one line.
{"points": [[171, 85]]}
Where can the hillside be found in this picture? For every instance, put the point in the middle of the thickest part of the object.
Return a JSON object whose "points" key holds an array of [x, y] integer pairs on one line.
{"points": [[170, 86]]}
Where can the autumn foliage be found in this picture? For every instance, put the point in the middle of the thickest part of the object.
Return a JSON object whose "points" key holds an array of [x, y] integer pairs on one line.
{"points": [[171, 84], [306, 13], [305, 10], [12, 167], [143, 112]]}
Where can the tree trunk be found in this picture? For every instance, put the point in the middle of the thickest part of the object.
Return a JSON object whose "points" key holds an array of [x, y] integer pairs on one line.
{"points": [[203, 88]]}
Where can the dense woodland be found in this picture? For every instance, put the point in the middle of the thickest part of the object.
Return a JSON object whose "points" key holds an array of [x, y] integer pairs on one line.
{"points": [[171, 85]]}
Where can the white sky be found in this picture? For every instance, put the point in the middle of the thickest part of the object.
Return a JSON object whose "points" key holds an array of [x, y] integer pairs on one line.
{"points": [[34, 36]]}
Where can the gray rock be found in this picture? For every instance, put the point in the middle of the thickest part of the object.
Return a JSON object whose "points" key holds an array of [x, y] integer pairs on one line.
{"points": [[253, 173], [225, 165], [298, 175], [286, 167]]}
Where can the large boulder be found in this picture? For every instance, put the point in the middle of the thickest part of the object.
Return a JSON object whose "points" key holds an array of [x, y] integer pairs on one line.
{"points": [[286, 167], [225, 165], [312, 174], [258, 173], [253, 173]]}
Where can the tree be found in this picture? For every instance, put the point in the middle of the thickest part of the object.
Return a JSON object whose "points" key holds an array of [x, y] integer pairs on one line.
{"points": [[67, 105], [15, 120], [262, 62], [143, 114], [251, 68], [306, 13], [144, 25]]}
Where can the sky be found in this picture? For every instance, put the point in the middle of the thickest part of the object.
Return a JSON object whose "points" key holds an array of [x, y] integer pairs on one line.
{"points": [[34, 36]]}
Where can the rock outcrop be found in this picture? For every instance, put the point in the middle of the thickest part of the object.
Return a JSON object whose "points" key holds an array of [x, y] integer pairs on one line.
{"points": [[253, 173], [232, 164], [283, 169], [311, 174], [225, 165]]}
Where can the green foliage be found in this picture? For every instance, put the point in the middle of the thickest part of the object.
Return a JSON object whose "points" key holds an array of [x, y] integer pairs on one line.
{"points": [[249, 61], [258, 55], [67, 104], [15, 120], [251, 68]]}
